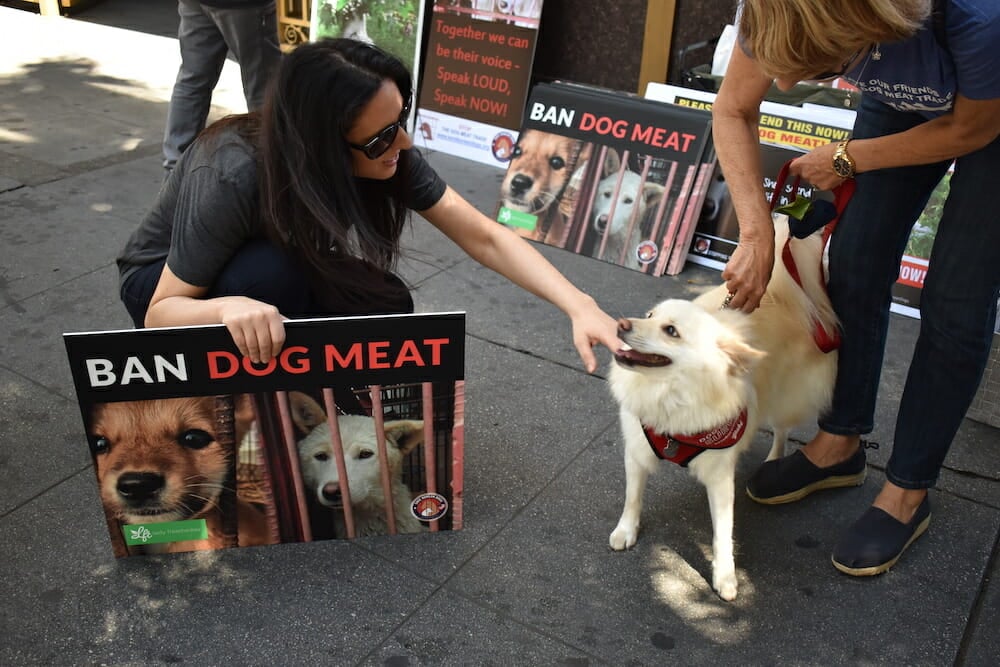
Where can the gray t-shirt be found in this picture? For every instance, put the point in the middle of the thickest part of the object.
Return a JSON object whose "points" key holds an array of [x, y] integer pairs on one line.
{"points": [[209, 208]]}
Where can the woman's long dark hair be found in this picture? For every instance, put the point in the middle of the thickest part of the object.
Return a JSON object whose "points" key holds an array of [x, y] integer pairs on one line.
{"points": [[311, 203]]}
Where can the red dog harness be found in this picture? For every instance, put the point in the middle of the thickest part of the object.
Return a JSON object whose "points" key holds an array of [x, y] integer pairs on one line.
{"points": [[842, 194], [682, 449]]}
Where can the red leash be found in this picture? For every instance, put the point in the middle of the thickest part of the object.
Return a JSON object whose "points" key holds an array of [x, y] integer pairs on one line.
{"points": [[842, 194]]}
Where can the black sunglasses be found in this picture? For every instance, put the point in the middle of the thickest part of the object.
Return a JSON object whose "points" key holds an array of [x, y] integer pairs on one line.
{"points": [[823, 76], [382, 141]]}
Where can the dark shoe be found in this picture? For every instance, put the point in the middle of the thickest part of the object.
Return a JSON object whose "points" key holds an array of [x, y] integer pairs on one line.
{"points": [[876, 541], [794, 477]]}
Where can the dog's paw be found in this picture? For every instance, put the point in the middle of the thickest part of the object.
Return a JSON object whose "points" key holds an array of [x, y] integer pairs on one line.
{"points": [[623, 537], [725, 585]]}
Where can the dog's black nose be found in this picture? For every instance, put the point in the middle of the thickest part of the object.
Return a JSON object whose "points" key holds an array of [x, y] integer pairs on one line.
{"points": [[139, 485], [601, 223], [521, 184], [624, 325]]}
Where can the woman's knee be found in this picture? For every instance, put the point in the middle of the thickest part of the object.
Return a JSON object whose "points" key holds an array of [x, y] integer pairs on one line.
{"points": [[137, 291], [261, 271]]}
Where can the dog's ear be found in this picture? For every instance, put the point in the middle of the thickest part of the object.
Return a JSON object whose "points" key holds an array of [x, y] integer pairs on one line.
{"points": [[306, 412], [651, 193], [243, 415], [742, 357], [612, 163], [406, 433]]}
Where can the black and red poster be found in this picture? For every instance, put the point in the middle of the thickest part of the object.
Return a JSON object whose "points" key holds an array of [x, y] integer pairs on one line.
{"points": [[608, 175], [354, 429]]}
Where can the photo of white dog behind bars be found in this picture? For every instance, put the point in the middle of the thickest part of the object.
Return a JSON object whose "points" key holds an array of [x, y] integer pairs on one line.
{"points": [[384, 465], [591, 199]]}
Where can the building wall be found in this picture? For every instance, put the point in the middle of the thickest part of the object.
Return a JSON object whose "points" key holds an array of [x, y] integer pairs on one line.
{"points": [[600, 42]]}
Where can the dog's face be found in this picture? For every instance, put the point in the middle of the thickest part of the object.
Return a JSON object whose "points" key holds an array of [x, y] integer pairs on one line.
{"points": [[630, 196], [539, 170], [357, 434], [679, 337], [159, 460]]}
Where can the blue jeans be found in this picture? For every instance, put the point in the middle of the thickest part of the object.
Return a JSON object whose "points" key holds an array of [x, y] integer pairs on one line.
{"points": [[205, 35], [260, 271], [957, 305]]}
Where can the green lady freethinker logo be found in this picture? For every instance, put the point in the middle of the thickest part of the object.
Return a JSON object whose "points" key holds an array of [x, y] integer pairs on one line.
{"points": [[514, 218], [162, 533]]}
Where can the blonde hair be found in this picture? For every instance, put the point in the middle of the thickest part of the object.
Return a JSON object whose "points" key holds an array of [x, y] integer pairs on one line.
{"points": [[789, 38]]}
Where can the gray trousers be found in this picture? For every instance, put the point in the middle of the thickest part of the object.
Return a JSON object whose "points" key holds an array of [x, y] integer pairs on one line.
{"points": [[206, 34]]}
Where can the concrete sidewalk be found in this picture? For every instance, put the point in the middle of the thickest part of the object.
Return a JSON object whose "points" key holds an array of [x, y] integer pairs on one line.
{"points": [[530, 580]]}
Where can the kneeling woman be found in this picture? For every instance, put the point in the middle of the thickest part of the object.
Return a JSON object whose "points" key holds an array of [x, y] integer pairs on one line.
{"points": [[297, 211]]}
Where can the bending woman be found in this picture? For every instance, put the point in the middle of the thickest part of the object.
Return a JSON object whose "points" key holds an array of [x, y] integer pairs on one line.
{"points": [[296, 211], [931, 84]]}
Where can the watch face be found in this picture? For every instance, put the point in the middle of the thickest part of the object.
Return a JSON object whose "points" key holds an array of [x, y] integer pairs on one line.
{"points": [[842, 166]]}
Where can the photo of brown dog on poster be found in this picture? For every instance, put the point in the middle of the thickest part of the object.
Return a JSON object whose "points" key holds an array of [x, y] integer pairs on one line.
{"points": [[161, 461], [543, 179]]}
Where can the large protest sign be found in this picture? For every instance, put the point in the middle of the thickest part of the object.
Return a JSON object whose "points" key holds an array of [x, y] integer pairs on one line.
{"points": [[608, 175], [355, 428]]}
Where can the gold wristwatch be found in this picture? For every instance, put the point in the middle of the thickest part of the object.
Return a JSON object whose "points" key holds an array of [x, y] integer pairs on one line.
{"points": [[843, 163]]}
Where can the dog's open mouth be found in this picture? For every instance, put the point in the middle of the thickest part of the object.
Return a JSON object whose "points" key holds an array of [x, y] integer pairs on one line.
{"points": [[627, 356]]}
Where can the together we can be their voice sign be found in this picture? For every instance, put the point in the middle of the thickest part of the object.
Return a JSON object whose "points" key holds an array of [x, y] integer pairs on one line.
{"points": [[476, 78]]}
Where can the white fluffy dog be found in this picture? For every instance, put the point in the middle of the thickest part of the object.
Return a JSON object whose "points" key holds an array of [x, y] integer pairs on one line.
{"points": [[615, 224], [694, 372], [357, 433]]}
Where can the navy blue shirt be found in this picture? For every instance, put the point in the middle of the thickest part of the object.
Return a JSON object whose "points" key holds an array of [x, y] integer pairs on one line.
{"points": [[923, 75]]}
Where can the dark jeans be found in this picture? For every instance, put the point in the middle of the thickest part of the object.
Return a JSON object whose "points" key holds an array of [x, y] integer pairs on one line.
{"points": [[957, 305], [262, 272]]}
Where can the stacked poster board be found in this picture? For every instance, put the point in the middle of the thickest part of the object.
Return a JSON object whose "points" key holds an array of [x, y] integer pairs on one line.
{"points": [[608, 175], [477, 74], [197, 448], [785, 132]]}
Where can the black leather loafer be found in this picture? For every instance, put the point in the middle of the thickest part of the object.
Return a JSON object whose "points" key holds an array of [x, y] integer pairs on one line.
{"points": [[876, 541], [794, 477]]}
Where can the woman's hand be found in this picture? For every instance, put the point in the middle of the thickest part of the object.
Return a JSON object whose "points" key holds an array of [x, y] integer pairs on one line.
{"points": [[748, 270], [257, 328], [735, 116], [816, 167], [498, 248], [591, 326]]}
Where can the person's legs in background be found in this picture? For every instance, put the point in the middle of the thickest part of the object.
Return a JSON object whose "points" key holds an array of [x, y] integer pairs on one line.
{"points": [[865, 251], [252, 36], [203, 53]]}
